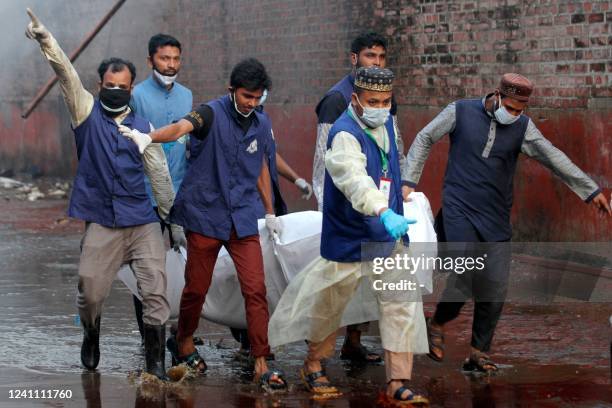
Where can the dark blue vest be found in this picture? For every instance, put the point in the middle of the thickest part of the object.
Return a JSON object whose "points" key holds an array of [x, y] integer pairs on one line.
{"points": [[344, 229], [220, 188], [480, 188], [344, 87], [109, 186]]}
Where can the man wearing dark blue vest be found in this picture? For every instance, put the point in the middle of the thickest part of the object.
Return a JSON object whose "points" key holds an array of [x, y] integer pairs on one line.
{"points": [[109, 195], [277, 166], [362, 221], [217, 206], [486, 138], [367, 50]]}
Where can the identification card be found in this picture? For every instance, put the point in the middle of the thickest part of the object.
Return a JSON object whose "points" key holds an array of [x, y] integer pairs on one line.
{"points": [[385, 186]]}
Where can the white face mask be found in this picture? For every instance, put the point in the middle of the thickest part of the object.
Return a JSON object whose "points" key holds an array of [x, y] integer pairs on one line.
{"points": [[373, 117], [164, 79], [246, 115], [503, 116]]}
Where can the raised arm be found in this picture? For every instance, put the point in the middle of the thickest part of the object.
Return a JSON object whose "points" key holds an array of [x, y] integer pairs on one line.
{"points": [[78, 100]]}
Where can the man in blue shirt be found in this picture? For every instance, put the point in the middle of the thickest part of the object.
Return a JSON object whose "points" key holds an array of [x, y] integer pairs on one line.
{"points": [[161, 100]]}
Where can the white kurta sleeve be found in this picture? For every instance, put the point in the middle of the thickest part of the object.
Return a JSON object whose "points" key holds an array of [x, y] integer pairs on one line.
{"points": [[346, 165]]}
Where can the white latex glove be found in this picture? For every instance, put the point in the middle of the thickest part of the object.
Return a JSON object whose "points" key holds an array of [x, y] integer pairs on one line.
{"points": [[305, 187], [142, 140], [178, 236], [35, 30], [273, 225]]}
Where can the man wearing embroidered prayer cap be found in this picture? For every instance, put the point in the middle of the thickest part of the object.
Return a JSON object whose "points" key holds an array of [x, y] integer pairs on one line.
{"points": [[368, 49], [362, 223], [486, 138]]}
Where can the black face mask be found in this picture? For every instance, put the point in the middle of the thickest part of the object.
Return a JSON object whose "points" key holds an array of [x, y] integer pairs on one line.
{"points": [[114, 100]]}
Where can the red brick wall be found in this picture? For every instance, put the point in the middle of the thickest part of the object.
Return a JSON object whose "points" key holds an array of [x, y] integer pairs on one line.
{"points": [[440, 51]]}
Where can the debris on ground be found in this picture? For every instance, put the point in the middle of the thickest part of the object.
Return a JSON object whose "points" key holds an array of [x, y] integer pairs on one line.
{"points": [[11, 188]]}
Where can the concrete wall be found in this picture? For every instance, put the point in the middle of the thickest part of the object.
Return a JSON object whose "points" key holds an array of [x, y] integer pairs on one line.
{"points": [[440, 51]]}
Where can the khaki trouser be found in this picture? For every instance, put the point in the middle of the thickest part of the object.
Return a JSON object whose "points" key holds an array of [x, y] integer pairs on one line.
{"points": [[104, 250]]}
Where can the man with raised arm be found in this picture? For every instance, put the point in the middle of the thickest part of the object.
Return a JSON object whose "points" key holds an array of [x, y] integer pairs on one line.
{"points": [[109, 195]]}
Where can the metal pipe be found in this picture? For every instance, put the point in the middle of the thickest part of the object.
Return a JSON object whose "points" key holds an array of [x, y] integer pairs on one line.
{"points": [[47, 87]]}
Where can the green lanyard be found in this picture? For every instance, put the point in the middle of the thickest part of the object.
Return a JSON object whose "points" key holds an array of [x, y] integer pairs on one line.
{"points": [[383, 155]]}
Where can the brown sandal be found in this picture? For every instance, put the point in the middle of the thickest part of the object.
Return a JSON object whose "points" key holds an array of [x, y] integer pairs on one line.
{"points": [[435, 338]]}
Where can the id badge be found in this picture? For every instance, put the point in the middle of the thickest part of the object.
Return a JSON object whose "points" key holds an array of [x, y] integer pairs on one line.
{"points": [[385, 186]]}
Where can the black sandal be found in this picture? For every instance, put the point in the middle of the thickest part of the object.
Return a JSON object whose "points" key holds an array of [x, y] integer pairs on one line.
{"points": [[478, 362], [359, 354], [193, 360], [435, 338], [316, 387], [266, 383]]}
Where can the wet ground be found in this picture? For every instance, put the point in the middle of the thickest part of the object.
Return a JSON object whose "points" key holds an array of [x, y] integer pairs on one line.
{"points": [[554, 355]]}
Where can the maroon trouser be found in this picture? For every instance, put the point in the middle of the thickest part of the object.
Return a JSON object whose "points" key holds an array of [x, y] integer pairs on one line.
{"points": [[202, 255]]}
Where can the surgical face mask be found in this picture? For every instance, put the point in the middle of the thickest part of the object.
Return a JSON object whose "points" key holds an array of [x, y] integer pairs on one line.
{"points": [[114, 100], [503, 116], [165, 80], [246, 115], [373, 117]]}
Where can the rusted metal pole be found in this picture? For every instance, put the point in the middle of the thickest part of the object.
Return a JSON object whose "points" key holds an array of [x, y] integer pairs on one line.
{"points": [[47, 87]]}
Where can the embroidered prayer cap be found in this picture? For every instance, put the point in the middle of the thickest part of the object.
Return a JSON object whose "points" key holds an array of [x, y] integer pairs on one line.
{"points": [[374, 79], [516, 86]]}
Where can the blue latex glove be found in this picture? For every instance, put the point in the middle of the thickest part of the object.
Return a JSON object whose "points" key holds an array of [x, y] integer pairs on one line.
{"points": [[395, 224]]}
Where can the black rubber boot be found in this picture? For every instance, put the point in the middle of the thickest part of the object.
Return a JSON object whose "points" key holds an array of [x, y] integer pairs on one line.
{"points": [[155, 350], [90, 349]]}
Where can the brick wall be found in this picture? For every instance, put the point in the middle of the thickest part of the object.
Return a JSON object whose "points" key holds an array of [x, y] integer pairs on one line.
{"points": [[440, 51]]}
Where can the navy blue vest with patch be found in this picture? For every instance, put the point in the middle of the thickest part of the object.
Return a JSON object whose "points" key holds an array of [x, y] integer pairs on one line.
{"points": [[344, 229], [480, 188], [219, 190], [109, 185]]}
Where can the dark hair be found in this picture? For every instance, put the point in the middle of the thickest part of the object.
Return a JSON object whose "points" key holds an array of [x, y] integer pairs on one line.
{"points": [[116, 65], [162, 40], [251, 75], [368, 40]]}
